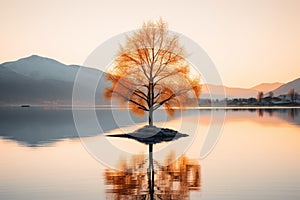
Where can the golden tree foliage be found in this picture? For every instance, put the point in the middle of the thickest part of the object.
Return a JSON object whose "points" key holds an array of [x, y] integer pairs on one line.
{"points": [[150, 70]]}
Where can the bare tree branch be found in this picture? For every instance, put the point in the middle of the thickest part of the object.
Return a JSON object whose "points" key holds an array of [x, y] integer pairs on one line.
{"points": [[164, 101], [132, 101]]}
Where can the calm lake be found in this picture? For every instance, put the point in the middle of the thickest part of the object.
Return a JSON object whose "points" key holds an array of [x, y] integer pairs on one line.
{"points": [[252, 154]]}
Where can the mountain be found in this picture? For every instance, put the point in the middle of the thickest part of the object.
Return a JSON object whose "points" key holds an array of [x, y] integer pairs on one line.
{"points": [[40, 80], [266, 87], [216, 91], [41, 68], [284, 89]]}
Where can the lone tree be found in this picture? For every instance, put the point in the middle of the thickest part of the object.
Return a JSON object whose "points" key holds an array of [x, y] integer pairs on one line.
{"points": [[150, 70]]}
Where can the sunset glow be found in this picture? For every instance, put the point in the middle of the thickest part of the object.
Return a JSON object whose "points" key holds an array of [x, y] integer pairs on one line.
{"points": [[250, 42]]}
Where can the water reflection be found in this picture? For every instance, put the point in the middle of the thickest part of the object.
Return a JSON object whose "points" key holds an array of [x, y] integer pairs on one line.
{"points": [[293, 113], [39, 127], [171, 179], [36, 126], [256, 158], [290, 115]]}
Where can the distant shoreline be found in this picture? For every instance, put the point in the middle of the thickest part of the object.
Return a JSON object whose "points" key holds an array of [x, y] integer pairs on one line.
{"points": [[204, 107]]}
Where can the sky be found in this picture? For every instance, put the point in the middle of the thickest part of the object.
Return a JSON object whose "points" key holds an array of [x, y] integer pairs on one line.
{"points": [[250, 42]]}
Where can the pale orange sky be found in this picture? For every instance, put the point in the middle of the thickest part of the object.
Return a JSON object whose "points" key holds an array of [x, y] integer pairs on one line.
{"points": [[249, 41]]}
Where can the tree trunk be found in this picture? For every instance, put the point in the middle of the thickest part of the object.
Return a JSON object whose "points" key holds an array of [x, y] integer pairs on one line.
{"points": [[150, 117], [151, 173], [151, 102]]}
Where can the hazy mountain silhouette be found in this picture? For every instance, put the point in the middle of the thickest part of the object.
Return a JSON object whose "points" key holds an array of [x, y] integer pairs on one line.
{"points": [[215, 91], [36, 80], [266, 87], [284, 89]]}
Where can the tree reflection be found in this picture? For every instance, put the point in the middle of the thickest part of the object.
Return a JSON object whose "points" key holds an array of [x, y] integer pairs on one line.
{"points": [[172, 180], [292, 113]]}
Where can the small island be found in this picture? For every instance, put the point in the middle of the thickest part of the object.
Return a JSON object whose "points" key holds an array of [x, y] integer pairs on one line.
{"points": [[25, 105]]}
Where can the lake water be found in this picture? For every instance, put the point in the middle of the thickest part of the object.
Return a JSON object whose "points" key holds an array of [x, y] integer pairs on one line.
{"points": [[257, 156]]}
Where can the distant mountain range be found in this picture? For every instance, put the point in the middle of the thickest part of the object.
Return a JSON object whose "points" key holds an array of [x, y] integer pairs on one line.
{"points": [[215, 91], [284, 89], [267, 87], [40, 80]]}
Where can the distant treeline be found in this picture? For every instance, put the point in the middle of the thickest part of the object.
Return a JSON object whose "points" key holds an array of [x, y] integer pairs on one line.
{"points": [[290, 99]]}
